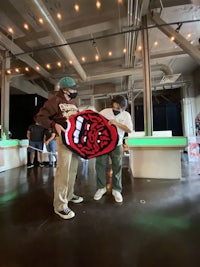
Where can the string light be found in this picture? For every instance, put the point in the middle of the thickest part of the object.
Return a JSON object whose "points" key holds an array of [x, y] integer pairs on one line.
{"points": [[41, 21], [8, 72], [83, 59], [11, 30], [26, 26], [59, 16], [155, 43], [98, 4], [76, 7], [17, 70], [97, 57], [59, 64], [48, 66]]}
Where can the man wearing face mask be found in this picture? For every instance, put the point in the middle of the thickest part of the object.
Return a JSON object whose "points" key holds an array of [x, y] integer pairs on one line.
{"points": [[122, 120], [54, 114]]}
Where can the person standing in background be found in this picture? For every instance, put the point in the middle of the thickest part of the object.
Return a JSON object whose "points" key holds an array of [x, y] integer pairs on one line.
{"points": [[35, 135], [197, 128], [50, 142], [54, 114], [123, 122]]}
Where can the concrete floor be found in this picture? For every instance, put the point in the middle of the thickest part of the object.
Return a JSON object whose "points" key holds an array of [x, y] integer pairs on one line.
{"points": [[158, 224]]}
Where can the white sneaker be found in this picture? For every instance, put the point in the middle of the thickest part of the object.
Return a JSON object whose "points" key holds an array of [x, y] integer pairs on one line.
{"points": [[76, 199], [100, 192], [117, 195], [67, 213]]}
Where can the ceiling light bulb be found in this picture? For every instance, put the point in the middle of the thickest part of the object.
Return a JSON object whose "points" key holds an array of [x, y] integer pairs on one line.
{"points": [[172, 38], [110, 53], [139, 48], [98, 4], [41, 21], [59, 16], [26, 69], [155, 43], [26, 26], [70, 62], [120, 1], [59, 64], [17, 70], [76, 7], [48, 66], [189, 35], [10, 30], [83, 59], [37, 68], [124, 50], [8, 71], [96, 57]]}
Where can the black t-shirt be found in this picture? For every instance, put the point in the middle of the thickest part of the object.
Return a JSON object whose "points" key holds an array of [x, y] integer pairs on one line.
{"points": [[37, 132], [48, 133]]}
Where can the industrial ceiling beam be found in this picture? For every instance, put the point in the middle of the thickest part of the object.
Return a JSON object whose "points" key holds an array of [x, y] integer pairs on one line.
{"points": [[57, 36], [179, 39], [15, 49]]}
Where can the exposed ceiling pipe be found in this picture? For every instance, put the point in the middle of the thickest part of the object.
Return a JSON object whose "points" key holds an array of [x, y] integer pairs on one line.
{"points": [[136, 9], [131, 71], [134, 18], [57, 36], [179, 39], [138, 90]]}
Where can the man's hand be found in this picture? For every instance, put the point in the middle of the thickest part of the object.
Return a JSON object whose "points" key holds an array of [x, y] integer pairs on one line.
{"points": [[113, 122], [59, 129]]}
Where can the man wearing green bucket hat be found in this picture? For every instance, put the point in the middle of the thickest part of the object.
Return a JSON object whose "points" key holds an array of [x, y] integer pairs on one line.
{"points": [[54, 114]]}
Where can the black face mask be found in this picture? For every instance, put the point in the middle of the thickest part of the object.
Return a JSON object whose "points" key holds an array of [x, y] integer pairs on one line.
{"points": [[73, 95], [116, 112]]}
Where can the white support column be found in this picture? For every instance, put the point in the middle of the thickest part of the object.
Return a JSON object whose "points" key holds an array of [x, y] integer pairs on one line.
{"points": [[188, 121], [5, 95]]}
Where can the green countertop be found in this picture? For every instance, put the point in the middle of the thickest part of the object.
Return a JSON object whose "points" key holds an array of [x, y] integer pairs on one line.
{"points": [[13, 142], [150, 141]]}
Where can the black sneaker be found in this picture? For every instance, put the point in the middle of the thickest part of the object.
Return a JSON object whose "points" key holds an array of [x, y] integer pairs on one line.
{"points": [[76, 199], [66, 213], [30, 165]]}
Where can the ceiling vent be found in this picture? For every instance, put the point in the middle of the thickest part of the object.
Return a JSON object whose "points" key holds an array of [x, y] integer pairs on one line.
{"points": [[170, 78]]}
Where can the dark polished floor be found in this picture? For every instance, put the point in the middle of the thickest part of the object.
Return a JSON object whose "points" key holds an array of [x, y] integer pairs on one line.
{"points": [[158, 225]]}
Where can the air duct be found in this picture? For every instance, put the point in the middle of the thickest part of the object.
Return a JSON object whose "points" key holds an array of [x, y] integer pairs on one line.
{"points": [[127, 72]]}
